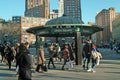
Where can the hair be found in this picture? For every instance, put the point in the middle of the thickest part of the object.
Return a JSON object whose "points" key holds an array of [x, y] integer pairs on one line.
{"points": [[27, 43], [22, 48], [17, 44], [66, 46]]}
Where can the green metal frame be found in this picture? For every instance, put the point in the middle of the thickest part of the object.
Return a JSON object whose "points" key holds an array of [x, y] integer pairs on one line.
{"points": [[62, 29]]}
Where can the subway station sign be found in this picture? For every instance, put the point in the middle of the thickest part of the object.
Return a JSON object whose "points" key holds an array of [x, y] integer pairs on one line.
{"points": [[63, 30]]}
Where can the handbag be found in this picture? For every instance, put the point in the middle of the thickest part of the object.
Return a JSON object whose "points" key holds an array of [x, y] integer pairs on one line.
{"points": [[94, 54], [69, 64], [17, 68], [44, 67]]}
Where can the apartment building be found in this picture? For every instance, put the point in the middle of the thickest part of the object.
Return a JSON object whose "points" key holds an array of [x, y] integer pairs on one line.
{"points": [[54, 14], [104, 19], [116, 28], [27, 22], [73, 8], [37, 8]]}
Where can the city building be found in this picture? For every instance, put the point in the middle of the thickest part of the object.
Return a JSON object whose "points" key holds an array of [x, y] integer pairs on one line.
{"points": [[60, 7], [37, 8], [25, 23], [116, 28], [72, 8], [93, 37], [53, 14], [104, 18], [1, 20]]}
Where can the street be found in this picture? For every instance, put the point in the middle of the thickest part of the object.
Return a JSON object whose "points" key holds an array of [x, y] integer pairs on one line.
{"points": [[109, 69]]}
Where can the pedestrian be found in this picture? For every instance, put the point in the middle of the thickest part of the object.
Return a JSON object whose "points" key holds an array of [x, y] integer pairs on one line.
{"points": [[84, 55], [24, 63], [9, 55], [71, 52], [51, 51], [5, 51], [14, 52], [66, 55], [94, 56], [87, 54], [57, 54], [99, 57], [17, 49], [40, 59], [2, 52], [27, 45]]}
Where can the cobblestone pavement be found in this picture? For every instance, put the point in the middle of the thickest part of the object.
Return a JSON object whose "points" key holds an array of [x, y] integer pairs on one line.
{"points": [[109, 69]]}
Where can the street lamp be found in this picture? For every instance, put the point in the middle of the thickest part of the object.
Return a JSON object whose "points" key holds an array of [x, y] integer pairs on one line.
{"points": [[5, 38]]}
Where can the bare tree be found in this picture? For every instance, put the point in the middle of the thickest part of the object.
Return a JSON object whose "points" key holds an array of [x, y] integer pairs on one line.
{"points": [[10, 32]]}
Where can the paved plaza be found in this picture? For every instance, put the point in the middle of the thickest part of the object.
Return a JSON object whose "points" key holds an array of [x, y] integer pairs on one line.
{"points": [[109, 69]]}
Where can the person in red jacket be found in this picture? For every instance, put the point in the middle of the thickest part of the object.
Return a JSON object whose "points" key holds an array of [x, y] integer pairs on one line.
{"points": [[66, 55]]}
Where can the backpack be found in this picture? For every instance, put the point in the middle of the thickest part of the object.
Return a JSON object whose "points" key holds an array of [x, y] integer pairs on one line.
{"points": [[94, 54]]}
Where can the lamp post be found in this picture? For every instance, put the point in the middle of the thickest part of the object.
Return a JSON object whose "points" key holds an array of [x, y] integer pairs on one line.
{"points": [[5, 38], [20, 30]]}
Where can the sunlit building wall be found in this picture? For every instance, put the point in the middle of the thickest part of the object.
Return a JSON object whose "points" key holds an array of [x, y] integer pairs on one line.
{"points": [[60, 7], [104, 19], [37, 8], [116, 28], [53, 14], [72, 8], [28, 22]]}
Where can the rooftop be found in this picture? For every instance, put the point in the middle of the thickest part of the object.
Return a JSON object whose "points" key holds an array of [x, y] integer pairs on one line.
{"points": [[64, 20]]}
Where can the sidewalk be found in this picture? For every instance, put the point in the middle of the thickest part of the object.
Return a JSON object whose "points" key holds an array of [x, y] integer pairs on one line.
{"points": [[109, 69]]}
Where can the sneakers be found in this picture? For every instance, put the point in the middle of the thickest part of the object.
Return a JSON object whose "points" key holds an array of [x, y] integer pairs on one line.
{"points": [[17, 74], [89, 70], [93, 71]]}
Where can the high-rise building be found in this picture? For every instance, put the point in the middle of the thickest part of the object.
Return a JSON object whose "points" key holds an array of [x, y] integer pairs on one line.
{"points": [[72, 8], [37, 8], [53, 14], [104, 18], [25, 23], [116, 28], [60, 7]]}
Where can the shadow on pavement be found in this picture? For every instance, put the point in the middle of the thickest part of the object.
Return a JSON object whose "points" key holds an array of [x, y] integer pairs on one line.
{"points": [[110, 62], [113, 72], [55, 76], [109, 67], [6, 75]]}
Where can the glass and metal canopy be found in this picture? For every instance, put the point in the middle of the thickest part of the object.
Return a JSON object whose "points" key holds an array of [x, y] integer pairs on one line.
{"points": [[64, 26]]}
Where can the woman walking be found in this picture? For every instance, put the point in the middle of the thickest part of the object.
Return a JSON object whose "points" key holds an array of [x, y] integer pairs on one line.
{"points": [[9, 56], [51, 50], [66, 55], [40, 59]]}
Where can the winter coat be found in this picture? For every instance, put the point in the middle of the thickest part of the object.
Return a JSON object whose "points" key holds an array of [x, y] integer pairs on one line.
{"points": [[66, 54], [40, 56], [24, 66]]}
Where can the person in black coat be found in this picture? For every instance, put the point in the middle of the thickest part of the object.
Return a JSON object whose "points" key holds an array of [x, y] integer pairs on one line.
{"points": [[9, 56], [24, 63], [2, 52], [87, 53]]}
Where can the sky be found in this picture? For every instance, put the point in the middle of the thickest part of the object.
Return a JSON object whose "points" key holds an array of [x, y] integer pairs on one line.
{"points": [[9, 8]]}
